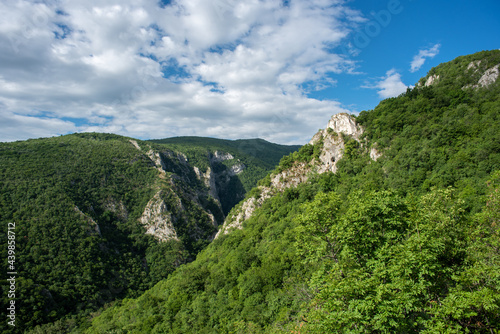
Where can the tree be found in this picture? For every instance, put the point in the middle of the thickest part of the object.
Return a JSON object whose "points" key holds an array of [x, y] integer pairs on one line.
{"points": [[473, 305], [386, 261]]}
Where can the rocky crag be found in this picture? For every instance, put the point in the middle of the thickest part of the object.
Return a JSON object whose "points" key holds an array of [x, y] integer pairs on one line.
{"points": [[331, 141]]}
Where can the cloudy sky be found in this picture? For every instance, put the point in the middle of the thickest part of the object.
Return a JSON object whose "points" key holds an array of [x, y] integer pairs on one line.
{"points": [[272, 69]]}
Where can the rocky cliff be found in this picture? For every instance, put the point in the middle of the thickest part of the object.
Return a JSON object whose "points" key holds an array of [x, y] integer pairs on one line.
{"points": [[331, 142], [184, 194]]}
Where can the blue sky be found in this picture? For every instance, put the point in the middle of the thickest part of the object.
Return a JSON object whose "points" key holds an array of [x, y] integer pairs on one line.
{"points": [[457, 27], [224, 68]]}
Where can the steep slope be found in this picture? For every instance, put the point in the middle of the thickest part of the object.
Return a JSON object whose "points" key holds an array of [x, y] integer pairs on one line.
{"points": [[320, 155], [100, 217], [440, 134], [403, 237], [233, 167]]}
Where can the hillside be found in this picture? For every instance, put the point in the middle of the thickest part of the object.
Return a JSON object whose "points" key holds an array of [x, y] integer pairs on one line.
{"points": [[384, 223], [246, 161], [100, 217]]}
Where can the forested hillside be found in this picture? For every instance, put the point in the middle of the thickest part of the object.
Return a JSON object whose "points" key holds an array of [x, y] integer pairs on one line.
{"points": [[397, 232], [100, 217]]}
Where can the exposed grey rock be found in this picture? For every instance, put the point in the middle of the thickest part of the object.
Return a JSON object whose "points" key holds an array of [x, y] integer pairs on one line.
{"points": [[332, 152], [134, 142], [158, 220], [431, 80], [155, 157], [333, 143], [474, 65], [489, 77], [219, 156], [374, 154], [237, 169], [208, 178], [244, 212]]}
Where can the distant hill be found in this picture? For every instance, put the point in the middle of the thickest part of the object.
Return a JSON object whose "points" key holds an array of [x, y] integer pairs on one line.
{"points": [[384, 223], [269, 153]]}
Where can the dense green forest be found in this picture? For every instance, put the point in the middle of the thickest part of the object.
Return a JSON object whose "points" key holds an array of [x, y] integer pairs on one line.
{"points": [[76, 202], [406, 243]]}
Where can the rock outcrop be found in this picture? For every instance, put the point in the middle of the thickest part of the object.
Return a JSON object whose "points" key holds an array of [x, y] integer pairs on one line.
{"points": [[179, 185], [219, 156], [340, 127], [220, 178], [157, 219], [431, 80], [208, 178], [374, 154], [155, 157], [488, 77]]}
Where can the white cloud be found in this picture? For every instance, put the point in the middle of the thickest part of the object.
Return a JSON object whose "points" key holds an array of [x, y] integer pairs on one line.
{"points": [[15, 126], [390, 85], [419, 59], [224, 68]]}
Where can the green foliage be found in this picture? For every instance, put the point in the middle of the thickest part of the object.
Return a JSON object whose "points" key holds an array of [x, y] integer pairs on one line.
{"points": [[436, 136], [473, 304], [76, 201], [312, 260], [407, 243], [351, 148], [387, 261], [306, 154], [56, 191], [242, 282]]}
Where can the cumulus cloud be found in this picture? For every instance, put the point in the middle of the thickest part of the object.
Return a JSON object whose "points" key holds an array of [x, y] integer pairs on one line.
{"points": [[224, 68], [390, 85], [422, 55]]}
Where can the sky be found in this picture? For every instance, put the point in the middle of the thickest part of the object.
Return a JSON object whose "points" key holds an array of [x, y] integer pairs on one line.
{"points": [[231, 69]]}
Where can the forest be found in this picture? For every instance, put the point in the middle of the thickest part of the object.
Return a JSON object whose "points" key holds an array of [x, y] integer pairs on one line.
{"points": [[76, 202]]}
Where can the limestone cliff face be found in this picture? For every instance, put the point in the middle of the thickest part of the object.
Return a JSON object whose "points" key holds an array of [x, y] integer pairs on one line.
{"points": [[183, 192], [219, 156], [488, 76], [333, 141], [221, 179], [431, 80], [217, 177], [157, 219], [339, 127], [208, 178]]}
